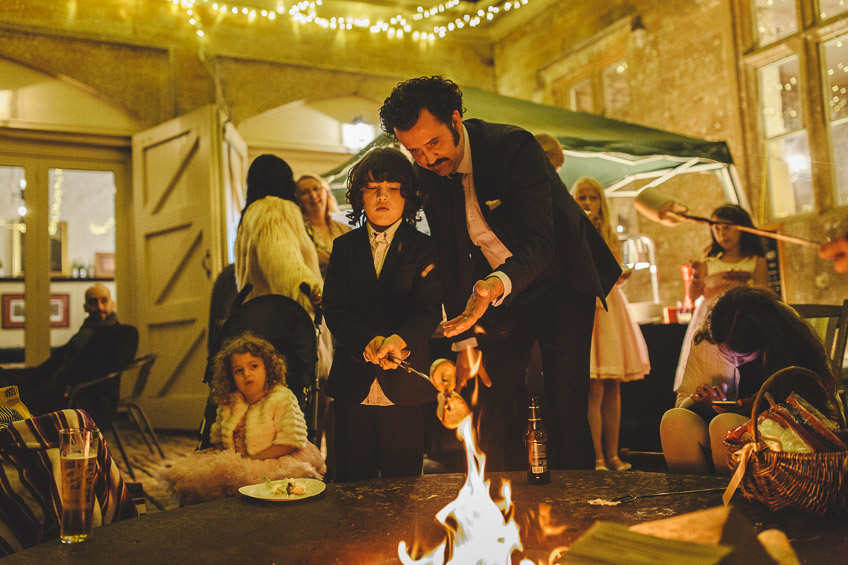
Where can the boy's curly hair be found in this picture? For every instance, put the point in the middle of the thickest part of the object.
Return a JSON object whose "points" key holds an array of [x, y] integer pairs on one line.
{"points": [[384, 164], [223, 383]]}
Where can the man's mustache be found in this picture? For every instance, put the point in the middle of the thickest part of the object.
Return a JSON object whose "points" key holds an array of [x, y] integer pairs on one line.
{"points": [[437, 162]]}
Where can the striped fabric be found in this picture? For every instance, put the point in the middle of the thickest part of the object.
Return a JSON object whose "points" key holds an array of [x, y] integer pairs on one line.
{"points": [[30, 501]]}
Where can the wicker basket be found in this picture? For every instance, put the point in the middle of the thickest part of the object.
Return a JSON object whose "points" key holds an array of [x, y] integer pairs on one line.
{"points": [[812, 482]]}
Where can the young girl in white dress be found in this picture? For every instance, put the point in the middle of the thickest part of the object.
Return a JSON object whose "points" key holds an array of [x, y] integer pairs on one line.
{"points": [[259, 431], [619, 352]]}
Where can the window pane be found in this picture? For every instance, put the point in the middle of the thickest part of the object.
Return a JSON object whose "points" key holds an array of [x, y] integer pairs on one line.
{"points": [[82, 222], [12, 187], [780, 97], [790, 175], [836, 71], [774, 19], [581, 97], [616, 88], [830, 8], [839, 139]]}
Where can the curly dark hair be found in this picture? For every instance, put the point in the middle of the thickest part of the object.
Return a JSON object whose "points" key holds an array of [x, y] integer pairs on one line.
{"points": [[438, 95], [223, 384], [749, 244], [747, 319], [384, 164]]}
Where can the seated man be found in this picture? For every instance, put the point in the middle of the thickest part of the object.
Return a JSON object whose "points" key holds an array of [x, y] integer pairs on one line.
{"points": [[101, 346]]}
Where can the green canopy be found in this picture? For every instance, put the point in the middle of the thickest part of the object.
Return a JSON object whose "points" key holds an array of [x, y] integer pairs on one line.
{"points": [[614, 152]]}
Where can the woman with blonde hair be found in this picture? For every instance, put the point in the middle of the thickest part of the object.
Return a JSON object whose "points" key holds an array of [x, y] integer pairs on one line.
{"points": [[317, 205], [619, 352]]}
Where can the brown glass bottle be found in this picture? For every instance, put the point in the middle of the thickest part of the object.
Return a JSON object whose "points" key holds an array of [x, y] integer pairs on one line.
{"points": [[536, 444]]}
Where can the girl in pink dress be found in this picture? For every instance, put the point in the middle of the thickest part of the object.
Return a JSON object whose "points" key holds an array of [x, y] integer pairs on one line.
{"points": [[619, 352], [259, 430]]}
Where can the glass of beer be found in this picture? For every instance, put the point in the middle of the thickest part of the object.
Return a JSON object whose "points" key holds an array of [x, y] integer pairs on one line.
{"points": [[78, 460]]}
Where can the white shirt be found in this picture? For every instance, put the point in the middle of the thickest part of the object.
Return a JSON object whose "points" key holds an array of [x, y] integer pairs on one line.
{"points": [[380, 243], [479, 231]]}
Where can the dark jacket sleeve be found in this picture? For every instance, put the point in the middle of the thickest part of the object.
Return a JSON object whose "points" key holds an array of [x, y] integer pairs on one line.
{"points": [[350, 330]]}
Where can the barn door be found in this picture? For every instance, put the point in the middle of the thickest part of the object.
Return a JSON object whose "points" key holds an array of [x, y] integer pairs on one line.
{"points": [[185, 172]]}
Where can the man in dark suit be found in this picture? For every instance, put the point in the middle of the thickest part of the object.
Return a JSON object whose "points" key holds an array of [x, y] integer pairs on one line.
{"points": [[508, 223], [101, 346], [381, 301]]}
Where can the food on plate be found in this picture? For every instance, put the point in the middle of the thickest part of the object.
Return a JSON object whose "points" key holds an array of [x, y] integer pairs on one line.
{"points": [[285, 487]]}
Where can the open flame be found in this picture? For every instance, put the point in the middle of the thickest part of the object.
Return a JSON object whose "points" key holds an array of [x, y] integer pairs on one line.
{"points": [[480, 530]]}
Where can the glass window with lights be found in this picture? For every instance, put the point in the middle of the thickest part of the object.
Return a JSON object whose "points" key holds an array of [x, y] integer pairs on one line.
{"points": [[835, 55], [774, 20], [786, 143], [581, 97], [82, 223], [830, 8], [616, 87]]}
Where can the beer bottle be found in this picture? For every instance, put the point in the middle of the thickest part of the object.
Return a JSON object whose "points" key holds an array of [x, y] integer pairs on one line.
{"points": [[536, 443]]}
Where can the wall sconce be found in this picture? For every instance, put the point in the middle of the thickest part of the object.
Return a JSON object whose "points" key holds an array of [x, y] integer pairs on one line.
{"points": [[357, 134], [638, 31]]}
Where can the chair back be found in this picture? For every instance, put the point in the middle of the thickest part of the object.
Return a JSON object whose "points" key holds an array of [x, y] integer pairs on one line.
{"points": [[143, 364], [831, 323]]}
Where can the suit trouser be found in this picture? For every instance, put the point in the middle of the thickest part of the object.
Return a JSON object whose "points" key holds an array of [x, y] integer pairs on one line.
{"points": [[562, 324], [386, 441]]}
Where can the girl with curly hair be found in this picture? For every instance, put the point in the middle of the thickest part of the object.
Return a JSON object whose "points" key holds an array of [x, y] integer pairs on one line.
{"points": [[259, 430]]}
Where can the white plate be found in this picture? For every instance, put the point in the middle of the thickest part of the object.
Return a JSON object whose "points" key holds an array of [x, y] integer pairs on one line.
{"points": [[260, 491]]}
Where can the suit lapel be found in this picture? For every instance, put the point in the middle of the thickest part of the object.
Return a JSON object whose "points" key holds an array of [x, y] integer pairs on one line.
{"points": [[362, 254], [396, 250], [485, 187]]}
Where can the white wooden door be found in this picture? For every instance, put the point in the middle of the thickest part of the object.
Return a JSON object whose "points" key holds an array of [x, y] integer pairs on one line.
{"points": [[183, 170]]}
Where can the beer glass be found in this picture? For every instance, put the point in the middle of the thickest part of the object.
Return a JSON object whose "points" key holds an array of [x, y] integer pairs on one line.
{"points": [[78, 460]]}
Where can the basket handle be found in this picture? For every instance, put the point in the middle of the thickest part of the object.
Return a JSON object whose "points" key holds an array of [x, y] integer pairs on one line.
{"points": [[779, 374]]}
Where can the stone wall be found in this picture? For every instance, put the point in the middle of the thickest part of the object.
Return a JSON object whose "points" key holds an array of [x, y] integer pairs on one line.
{"points": [[684, 78], [145, 57]]}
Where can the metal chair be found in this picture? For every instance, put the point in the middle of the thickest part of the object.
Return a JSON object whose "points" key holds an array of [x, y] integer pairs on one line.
{"points": [[130, 404], [830, 321]]}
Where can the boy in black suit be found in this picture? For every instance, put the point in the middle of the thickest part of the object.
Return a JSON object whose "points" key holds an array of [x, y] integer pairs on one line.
{"points": [[382, 303]]}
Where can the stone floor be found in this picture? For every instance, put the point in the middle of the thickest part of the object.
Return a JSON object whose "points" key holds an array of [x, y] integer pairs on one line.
{"points": [[147, 465]]}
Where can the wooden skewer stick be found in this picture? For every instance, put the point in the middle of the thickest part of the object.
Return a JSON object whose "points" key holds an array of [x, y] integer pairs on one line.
{"points": [[757, 231]]}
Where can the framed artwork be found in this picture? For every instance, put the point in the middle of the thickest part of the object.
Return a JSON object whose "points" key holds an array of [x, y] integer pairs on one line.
{"points": [[58, 250], [13, 311], [104, 265]]}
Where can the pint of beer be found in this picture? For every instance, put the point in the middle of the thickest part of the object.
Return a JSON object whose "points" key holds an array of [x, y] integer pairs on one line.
{"points": [[78, 460]]}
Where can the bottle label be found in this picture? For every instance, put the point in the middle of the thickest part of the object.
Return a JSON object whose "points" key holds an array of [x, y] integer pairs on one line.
{"points": [[538, 454]]}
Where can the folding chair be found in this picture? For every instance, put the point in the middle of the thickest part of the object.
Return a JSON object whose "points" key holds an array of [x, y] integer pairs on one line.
{"points": [[830, 321], [130, 404]]}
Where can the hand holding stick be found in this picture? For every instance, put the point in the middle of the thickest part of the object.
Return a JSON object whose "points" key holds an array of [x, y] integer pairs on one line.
{"points": [[757, 231]]}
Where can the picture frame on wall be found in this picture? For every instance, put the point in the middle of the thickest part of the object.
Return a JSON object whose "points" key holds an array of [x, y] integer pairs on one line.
{"points": [[104, 265], [59, 266], [13, 311]]}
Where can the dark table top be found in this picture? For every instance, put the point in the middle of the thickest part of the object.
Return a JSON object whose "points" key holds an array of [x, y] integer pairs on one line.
{"points": [[364, 522]]}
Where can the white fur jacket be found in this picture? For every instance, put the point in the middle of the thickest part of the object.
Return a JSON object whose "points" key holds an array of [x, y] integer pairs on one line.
{"points": [[275, 420], [274, 253]]}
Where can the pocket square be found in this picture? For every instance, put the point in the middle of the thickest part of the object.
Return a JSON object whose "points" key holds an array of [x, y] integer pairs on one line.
{"points": [[492, 204]]}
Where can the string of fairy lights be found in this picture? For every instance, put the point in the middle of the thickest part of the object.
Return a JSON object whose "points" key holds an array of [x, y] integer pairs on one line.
{"points": [[313, 12]]}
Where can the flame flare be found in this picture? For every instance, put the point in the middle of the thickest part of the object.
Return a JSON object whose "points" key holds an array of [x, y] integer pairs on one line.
{"points": [[480, 530]]}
